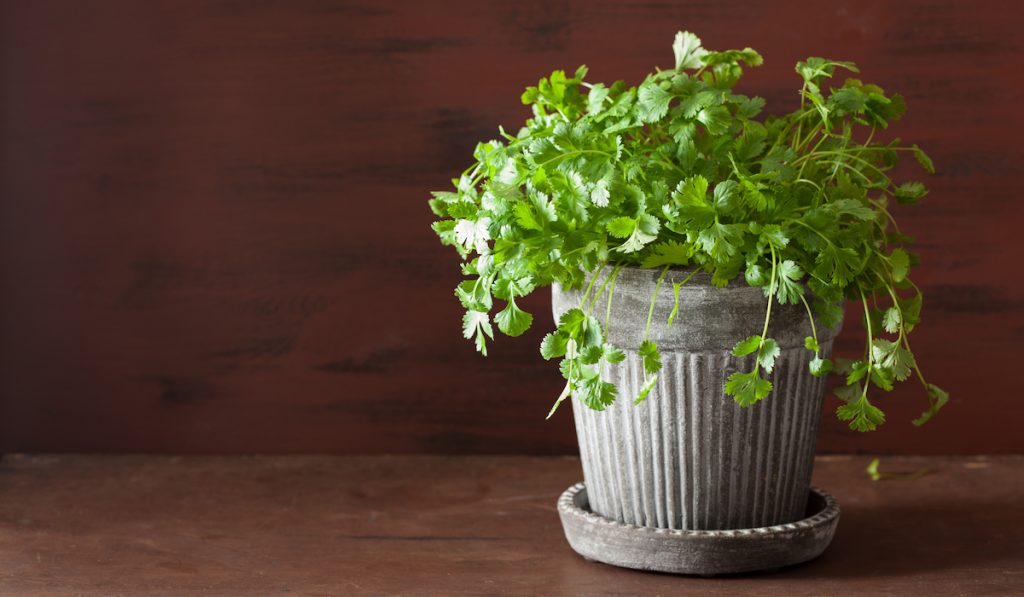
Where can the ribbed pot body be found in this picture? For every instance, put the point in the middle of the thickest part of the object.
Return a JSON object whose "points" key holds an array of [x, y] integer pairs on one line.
{"points": [[689, 457]]}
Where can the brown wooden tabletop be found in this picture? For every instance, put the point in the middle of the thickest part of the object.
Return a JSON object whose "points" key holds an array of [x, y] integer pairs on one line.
{"points": [[435, 525]]}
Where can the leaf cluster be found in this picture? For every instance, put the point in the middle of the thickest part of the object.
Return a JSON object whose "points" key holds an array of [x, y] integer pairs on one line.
{"points": [[681, 171]]}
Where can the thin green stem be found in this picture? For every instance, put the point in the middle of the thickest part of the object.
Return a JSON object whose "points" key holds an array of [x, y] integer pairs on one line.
{"points": [[885, 211], [611, 293], [871, 359], [654, 297], [768, 312], [812, 183], [896, 303], [870, 137], [600, 290], [815, 230], [810, 317], [849, 154], [917, 370], [573, 153], [673, 166], [675, 292], [583, 301]]}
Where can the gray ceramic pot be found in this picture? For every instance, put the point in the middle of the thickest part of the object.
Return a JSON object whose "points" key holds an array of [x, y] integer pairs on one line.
{"points": [[689, 457]]}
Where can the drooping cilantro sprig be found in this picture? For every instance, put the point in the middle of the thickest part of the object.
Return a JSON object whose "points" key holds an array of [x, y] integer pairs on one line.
{"points": [[683, 174]]}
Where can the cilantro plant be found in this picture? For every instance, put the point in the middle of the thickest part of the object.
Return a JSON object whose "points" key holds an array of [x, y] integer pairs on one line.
{"points": [[680, 172]]}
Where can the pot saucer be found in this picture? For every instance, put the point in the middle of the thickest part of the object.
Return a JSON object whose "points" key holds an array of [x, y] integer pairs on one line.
{"points": [[697, 552]]}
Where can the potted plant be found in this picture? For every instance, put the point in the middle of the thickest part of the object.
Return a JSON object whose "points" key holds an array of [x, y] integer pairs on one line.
{"points": [[699, 256]]}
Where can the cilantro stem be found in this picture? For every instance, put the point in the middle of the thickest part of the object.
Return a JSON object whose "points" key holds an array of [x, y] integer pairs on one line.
{"points": [[917, 369], [810, 317], [675, 291], [575, 152], [851, 155], [812, 183], [654, 297], [600, 290], [870, 137], [904, 339], [768, 312], [885, 211], [870, 356], [896, 303], [837, 163], [611, 293], [815, 230], [583, 301], [807, 140], [674, 166]]}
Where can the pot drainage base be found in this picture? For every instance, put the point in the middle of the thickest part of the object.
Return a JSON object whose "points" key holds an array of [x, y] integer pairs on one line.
{"points": [[697, 552]]}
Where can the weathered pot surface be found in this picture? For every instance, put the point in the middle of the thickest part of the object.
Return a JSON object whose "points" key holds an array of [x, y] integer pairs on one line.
{"points": [[698, 552], [689, 457]]}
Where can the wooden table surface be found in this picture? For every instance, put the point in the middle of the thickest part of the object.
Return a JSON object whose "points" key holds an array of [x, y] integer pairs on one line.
{"points": [[436, 525]]}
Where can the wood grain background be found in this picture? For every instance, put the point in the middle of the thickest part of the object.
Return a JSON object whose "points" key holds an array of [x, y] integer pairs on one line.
{"points": [[215, 234]]}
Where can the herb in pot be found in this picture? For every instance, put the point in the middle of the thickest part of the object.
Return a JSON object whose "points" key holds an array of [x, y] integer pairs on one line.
{"points": [[682, 172]]}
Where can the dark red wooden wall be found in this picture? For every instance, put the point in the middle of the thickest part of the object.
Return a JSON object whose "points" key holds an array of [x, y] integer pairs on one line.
{"points": [[215, 235]]}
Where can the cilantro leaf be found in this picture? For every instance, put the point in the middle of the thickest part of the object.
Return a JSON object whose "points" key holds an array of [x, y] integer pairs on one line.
{"points": [[597, 394], [596, 98], [923, 159], [747, 388], [853, 208], [692, 191], [750, 107], [899, 261], [910, 310], [892, 356], [891, 320], [512, 320], [553, 345], [909, 192], [583, 328], [646, 230], [646, 389], [687, 51], [862, 415], [820, 367], [474, 295], [938, 398], [725, 195], [613, 354], [667, 253], [747, 346], [789, 288], [755, 275], [721, 241], [692, 102], [716, 118], [525, 217], [476, 324], [767, 354], [651, 357], [836, 264], [652, 102], [773, 235], [621, 227]]}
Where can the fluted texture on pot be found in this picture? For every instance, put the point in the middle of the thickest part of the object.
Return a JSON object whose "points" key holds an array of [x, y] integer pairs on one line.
{"points": [[689, 457]]}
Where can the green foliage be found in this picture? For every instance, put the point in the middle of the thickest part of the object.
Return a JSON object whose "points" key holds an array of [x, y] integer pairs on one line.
{"points": [[682, 171], [651, 358], [747, 387]]}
